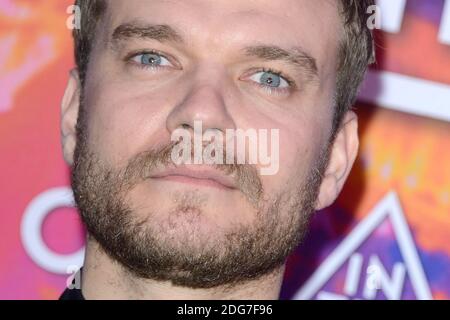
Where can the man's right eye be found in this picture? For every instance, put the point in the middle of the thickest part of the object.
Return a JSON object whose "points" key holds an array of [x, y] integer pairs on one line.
{"points": [[150, 60]]}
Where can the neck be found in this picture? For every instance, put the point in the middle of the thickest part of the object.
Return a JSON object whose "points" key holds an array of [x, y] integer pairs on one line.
{"points": [[105, 278]]}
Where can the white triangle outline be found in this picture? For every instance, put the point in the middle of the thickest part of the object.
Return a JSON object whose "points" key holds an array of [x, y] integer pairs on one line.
{"points": [[388, 207]]}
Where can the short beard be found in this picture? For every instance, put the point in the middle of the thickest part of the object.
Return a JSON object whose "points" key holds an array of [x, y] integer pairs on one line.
{"points": [[245, 253]]}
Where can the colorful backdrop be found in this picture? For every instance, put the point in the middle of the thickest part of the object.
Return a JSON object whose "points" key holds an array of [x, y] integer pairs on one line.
{"points": [[387, 236]]}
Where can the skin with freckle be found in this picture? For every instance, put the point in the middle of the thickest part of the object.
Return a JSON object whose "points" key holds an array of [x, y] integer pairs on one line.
{"points": [[230, 64]]}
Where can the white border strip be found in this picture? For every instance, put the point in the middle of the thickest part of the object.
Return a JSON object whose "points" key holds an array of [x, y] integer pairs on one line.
{"points": [[444, 30], [407, 94]]}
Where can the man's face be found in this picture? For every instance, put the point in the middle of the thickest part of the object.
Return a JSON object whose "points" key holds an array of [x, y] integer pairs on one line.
{"points": [[158, 66]]}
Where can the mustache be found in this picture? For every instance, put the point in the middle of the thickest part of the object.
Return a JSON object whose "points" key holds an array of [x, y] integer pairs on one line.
{"points": [[141, 166]]}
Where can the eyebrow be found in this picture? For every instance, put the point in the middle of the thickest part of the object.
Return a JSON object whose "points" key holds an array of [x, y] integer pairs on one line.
{"points": [[296, 56], [159, 32]]}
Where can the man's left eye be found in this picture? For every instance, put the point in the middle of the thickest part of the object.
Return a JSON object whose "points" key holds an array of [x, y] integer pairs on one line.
{"points": [[151, 59], [270, 79]]}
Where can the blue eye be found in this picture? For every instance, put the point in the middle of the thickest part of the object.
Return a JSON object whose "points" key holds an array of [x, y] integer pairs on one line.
{"points": [[270, 79], [151, 59]]}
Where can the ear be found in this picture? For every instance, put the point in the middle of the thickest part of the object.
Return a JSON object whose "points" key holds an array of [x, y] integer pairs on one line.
{"points": [[342, 157], [69, 114]]}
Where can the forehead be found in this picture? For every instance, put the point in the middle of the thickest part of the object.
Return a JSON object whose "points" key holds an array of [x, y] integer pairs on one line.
{"points": [[230, 24]]}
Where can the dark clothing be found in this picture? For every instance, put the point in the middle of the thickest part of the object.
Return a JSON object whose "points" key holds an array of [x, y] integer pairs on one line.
{"points": [[72, 294]]}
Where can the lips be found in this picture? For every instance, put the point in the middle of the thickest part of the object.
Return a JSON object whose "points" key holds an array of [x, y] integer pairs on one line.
{"points": [[197, 175]]}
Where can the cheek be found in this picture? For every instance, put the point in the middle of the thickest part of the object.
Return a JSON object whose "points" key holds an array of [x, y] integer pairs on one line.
{"points": [[291, 150], [123, 121], [300, 144]]}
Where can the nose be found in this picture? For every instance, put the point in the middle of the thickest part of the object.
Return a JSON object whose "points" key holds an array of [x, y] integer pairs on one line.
{"points": [[203, 103]]}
